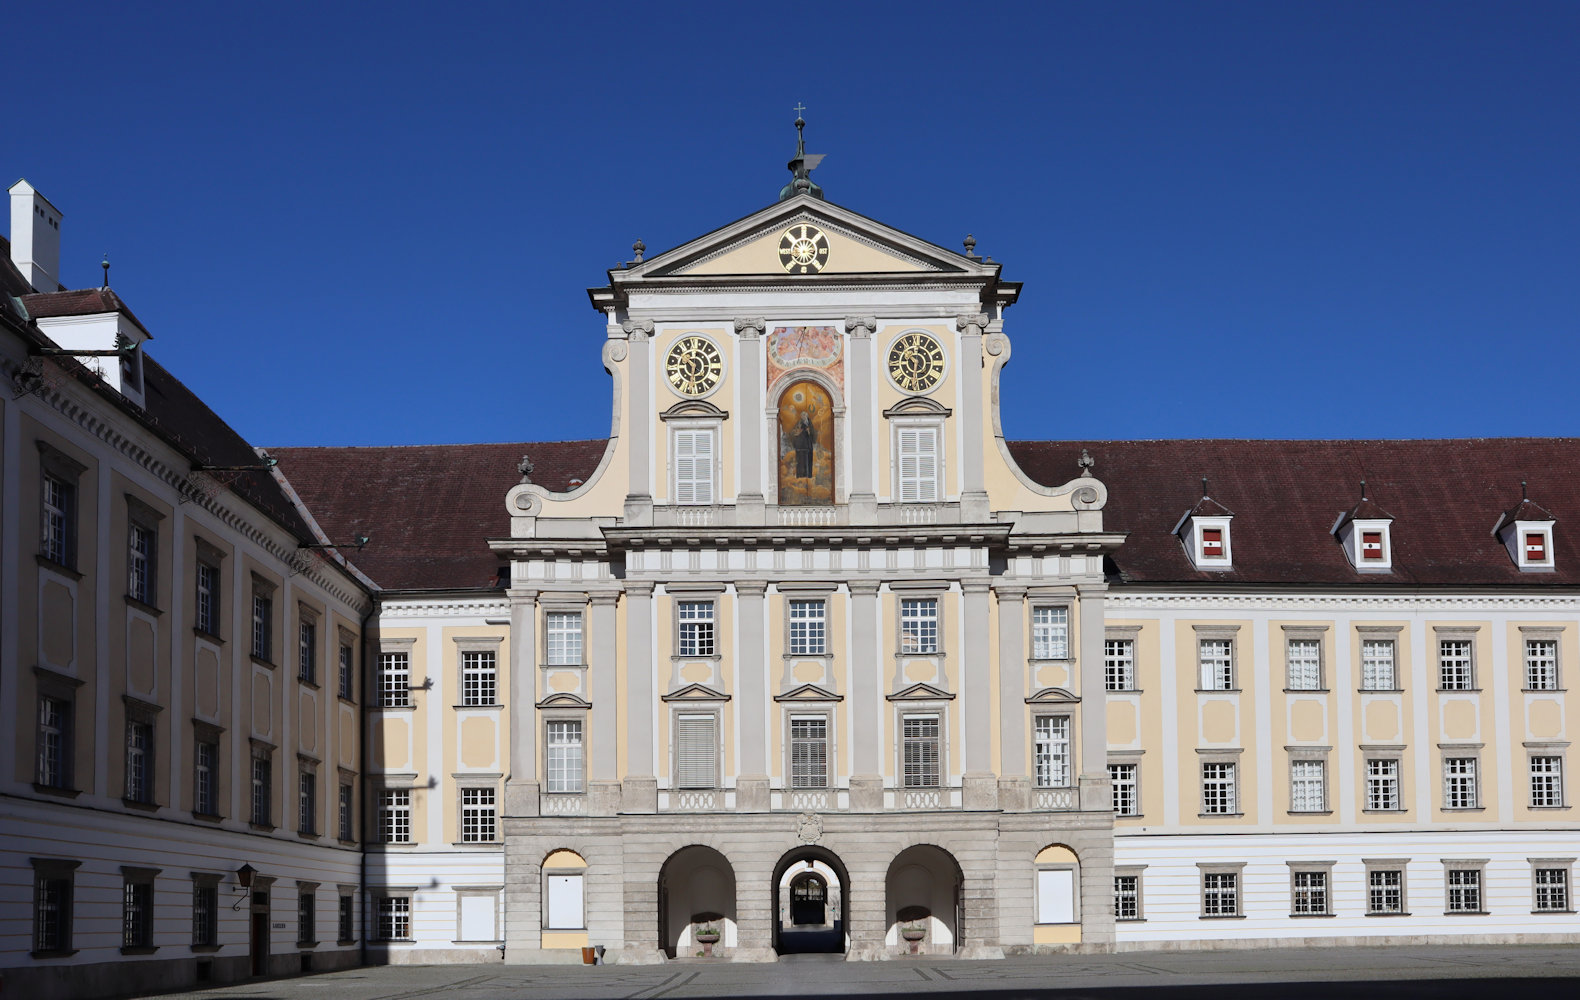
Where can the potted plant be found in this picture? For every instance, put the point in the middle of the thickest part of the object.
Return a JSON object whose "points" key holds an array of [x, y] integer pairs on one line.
{"points": [[914, 933], [707, 936]]}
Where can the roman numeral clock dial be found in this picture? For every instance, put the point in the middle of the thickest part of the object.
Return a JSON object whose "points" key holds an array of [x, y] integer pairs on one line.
{"points": [[916, 362], [694, 366], [803, 249]]}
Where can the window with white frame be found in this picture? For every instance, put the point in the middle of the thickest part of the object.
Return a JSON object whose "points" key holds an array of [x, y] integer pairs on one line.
{"points": [[477, 816], [564, 757], [1377, 665], [1547, 781], [1219, 788], [563, 638], [141, 543], [479, 677], [206, 610], [54, 742], [1119, 664], [307, 801], [346, 672], [1385, 889], [394, 916], [1220, 893], [58, 543], [808, 627], [1308, 892], [395, 815], [344, 811], [1304, 663], [1541, 664], [1455, 665], [918, 466], [696, 635], [1307, 785], [139, 761], [693, 464], [1382, 784], [919, 625], [1050, 633], [1464, 889], [307, 651], [696, 750], [1550, 887], [205, 772], [262, 788], [1051, 751], [1459, 783], [395, 680], [809, 751], [1127, 897], [262, 621], [1216, 657], [920, 756], [1127, 789], [205, 911]]}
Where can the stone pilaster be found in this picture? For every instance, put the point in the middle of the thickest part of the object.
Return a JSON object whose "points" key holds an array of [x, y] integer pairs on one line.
{"points": [[862, 408], [869, 919], [1095, 788], [866, 700], [749, 506], [640, 791], [979, 906], [751, 782], [603, 784], [1014, 785], [973, 492], [639, 440], [521, 786], [979, 785]]}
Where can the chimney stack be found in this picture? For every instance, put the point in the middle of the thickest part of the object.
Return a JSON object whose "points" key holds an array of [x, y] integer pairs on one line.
{"points": [[35, 237]]}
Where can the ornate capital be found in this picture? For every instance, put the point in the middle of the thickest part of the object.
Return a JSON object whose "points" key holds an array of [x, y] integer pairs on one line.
{"points": [[965, 323], [638, 329], [750, 328], [860, 326]]}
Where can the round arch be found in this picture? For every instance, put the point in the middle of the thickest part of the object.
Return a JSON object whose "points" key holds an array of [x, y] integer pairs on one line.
{"points": [[696, 889], [830, 437], [922, 892], [806, 864]]}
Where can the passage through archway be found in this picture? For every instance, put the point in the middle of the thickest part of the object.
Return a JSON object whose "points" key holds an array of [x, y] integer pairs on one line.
{"points": [[696, 899], [811, 903], [923, 901]]}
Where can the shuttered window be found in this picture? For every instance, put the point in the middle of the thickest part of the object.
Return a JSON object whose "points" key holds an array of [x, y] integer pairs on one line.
{"points": [[809, 751], [918, 465], [697, 750], [694, 465], [921, 751]]}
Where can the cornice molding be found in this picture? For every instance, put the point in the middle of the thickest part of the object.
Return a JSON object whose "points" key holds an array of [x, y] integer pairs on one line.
{"points": [[460, 607], [1247, 602]]}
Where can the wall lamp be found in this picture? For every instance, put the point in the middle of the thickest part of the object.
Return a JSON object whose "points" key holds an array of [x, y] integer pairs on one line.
{"points": [[243, 883]]}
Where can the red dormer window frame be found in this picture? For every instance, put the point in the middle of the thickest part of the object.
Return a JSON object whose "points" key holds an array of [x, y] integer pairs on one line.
{"points": [[1536, 546], [1372, 546], [1212, 543]]}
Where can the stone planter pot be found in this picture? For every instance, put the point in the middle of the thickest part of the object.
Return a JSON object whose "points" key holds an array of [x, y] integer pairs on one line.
{"points": [[707, 941], [914, 936]]}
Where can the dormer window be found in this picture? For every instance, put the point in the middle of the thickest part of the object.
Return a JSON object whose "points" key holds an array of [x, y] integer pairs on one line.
{"points": [[1527, 532], [1205, 532], [1372, 547], [1365, 532], [1212, 543], [1535, 547]]}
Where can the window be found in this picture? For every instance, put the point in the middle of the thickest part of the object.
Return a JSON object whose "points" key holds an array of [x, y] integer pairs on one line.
{"points": [[345, 807], [394, 918], [693, 465], [1382, 784], [1377, 665], [809, 750], [565, 756], [479, 677], [1385, 891], [137, 911], [307, 652], [139, 761], [262, 792], [1127, 791], [1547, 782], [205, 771], [59, 541], [477, 815], [564, 634], [1217, 664], [348, 923], [1051, 752], [1308, 893], [808, 628], [306, 916], [1541, 664], [1459, 783], [1454, 665], [395, 680], [1535, 546], [1307, 786], [697, 749], [1220, 894], [140, 552], [919, 625], [262, 623], [1372, 546], [1304, 662], [1212, 543], [1050, 633], [307, 804], [564, 903], [1551, 887], [921, 759], [918, 465], [205, 913], [54, 742], [696, 628], [395, 816], [1218, 791], [207, 605], [1464, 890], [1056, 895], [347, 680], [52, 898], [1127, 897], [1119, 664]]}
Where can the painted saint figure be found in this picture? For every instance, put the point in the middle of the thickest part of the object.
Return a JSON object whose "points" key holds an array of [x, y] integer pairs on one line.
{"points": [[806, 445], [803, 440]]}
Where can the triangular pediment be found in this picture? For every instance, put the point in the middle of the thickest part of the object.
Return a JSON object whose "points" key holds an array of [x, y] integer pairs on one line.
{"points": [[809, 692], [921, 692], [696, 692]]}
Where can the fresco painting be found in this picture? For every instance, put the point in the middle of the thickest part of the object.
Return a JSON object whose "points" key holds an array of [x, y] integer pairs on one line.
{"points": [[806, 445]]}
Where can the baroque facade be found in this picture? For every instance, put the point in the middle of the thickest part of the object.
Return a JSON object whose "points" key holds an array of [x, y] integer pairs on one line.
{"points": [[806, 656]]}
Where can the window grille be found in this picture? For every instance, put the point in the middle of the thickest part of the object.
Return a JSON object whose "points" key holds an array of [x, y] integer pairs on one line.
{"points": [[1218, 788], [479, 678], [809, 751], [1127, 799], [919, 625], [1127, 897], [1052, 751], [808, 628], [1464, 890], [1050, 633], [137, 915], [51, 914], [1547, 781], [1385, 891], [394, 918], [1310, 893], [696, 628], [565, 755], [1220, 894], [921, 751], [1552, 889], [395, 815]]}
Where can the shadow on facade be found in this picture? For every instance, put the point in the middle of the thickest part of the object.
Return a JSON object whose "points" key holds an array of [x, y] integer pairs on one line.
{"points": [[696, 895]]}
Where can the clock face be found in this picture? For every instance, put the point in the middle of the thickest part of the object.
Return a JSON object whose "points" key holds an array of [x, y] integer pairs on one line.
{"points": [[803, 249], [694, 366], [916, 362]]}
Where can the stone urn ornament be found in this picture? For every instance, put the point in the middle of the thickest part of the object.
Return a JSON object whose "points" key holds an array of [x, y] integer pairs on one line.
{"points": [[914, 934], [707, 936]]}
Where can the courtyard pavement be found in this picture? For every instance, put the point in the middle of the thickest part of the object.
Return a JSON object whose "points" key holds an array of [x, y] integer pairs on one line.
{"points": [[1485, 972]]}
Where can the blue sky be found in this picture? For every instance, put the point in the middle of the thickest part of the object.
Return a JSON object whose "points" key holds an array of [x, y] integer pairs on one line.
{"points": [[375, 223]]}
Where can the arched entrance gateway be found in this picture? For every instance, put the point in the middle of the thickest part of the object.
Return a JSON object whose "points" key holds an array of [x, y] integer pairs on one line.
{"points": [[811, 903], [923, 901], [696, 896]]}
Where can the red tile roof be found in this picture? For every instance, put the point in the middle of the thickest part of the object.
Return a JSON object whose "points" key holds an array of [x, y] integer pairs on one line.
{"points": [[79, 302]]}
